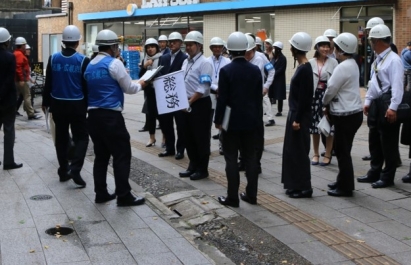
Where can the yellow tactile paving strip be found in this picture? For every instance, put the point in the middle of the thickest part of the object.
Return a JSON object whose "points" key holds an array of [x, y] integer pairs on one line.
{"points": [[355, 250]]}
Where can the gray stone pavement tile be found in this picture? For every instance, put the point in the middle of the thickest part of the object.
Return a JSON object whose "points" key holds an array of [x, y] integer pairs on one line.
{"points": [[142, 241], [350, 226], [204, 185], [144, 211], [66, 249], [167, 258], [384, 243], [336, 203], [71, 263], [317, 253], [36, 258], [121, 218], [373, 203], [8, 185], [110, 254], [400, 215], [394, 229], [184, 251], [402, 257], [162, 229], [289, 234], [383, 194], [264, 218], [44, 207], [363, 215], [96, 233], [14, 212], [403, 203]]}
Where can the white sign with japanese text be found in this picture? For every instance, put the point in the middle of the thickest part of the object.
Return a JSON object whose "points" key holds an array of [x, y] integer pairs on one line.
{"points": [[160, 3], [171, 92]]}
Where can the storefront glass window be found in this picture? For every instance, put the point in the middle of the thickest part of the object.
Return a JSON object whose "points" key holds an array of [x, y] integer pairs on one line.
{"points": [[91, 33], [259, 24]]}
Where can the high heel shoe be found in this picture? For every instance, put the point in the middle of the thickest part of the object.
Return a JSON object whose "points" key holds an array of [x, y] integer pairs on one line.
{"points": [[313, 162], [150, 144], [326, 164]]}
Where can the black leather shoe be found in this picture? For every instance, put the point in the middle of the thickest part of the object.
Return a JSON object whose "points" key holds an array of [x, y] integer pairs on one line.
{"points": [[340, 193], [227, 202], [406, 179], [102, 198], [166, 153], [332, 185], [63, 175], [186, 174], [77, 178], [278, 114], [199, 175], [301, 194], [143, 130], [366, 158], [130, 200], [289, 191], [216, 137], [12, 166], [270, 123], [179, 156], [366, 179], [382, 184], [244, 197]]}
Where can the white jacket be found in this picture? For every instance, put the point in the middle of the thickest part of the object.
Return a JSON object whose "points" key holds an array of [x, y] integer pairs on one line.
{"points": [[328, 68]]}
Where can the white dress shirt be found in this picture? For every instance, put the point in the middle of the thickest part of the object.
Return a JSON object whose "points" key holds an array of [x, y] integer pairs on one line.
{"points": [[195, 69]]}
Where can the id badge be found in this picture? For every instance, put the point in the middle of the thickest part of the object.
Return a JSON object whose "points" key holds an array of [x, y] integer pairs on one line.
{"points": [[321, 85]]}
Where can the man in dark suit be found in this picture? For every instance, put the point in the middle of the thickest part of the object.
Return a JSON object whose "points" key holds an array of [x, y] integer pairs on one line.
{"points": [[239, 87], [8, 99], [173, 62]]}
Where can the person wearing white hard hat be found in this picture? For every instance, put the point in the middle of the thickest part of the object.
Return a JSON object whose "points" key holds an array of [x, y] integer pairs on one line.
{"points": [[23, 77], [277, 91], [323, 67], [387, 84], [269, 51], [29, 83], [94, 48], [343, 106], [162, 43], [217, 61], [331, 34], [173, 62], [240, 85], [296, 167], [259, 44], [107, 82], [150, 61], [65, 96], [197, 76], [8, 98]]}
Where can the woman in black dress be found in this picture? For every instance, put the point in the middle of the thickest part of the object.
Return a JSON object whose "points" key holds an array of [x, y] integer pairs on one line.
{"points": [[296, 171], [277, 89]]}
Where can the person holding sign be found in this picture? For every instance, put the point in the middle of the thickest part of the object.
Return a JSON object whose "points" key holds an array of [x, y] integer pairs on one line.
{"points": [[197, 77], [239, 87], [107, 81]]}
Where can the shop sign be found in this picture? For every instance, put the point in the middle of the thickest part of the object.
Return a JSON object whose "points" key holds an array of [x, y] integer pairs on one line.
{"points": [[160, 3], [131, 8]]}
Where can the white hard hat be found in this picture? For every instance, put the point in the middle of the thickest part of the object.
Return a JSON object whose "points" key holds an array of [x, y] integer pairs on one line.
{"points": [[278, 44], [321, 39], [251, 42], [258, 41], [374, 22], [107, 37], [301, 41], [71, 33], [330, 33], [151, 41], [237, 41], [4, 35], [175, 36], [217, 41], [94, 48], [28, 47], [347, 42], [270, 41], [379, 32], [162, 38], [194, 36], [20, 41]]}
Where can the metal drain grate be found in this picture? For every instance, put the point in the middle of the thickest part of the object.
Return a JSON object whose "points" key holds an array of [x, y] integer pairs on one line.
{"points": [[58, 230], [42, 197]]}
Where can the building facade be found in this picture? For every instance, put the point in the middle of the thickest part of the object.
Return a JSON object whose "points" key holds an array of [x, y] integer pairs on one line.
{"points": [[274, 19]]}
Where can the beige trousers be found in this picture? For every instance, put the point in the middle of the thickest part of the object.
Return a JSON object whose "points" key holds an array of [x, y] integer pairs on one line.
{"points": [[25, 91]]}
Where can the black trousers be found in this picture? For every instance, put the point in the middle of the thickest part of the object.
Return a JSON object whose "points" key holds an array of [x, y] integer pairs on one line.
{"points": [[233, 142], [167, 128], [7, 120], [280, 105], [70, 114], [345, 128], [197, 133], [152, 113], [110, 138], [383, 145]]}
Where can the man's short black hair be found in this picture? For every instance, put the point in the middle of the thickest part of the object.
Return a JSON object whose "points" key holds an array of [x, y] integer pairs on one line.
{"points": [[237, 53], [409, 43]]}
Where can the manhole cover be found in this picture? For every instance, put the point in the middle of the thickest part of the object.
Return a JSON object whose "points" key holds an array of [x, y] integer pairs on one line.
{"points": [[59, 231], [41, 197]]}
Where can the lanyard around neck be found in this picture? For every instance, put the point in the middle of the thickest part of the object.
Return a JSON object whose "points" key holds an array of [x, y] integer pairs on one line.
{"points": [[216, 69]]}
